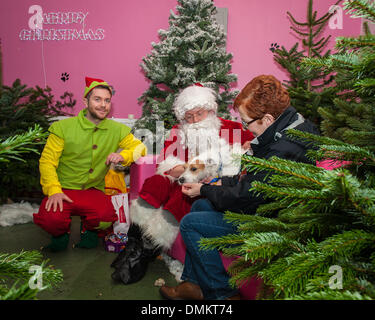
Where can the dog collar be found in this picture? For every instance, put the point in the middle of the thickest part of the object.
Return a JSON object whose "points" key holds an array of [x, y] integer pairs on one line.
{"points": [[214, 180]]}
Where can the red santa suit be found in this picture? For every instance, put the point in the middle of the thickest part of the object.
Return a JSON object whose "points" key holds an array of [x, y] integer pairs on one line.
{"points": [[161, 204], [160, 191]]}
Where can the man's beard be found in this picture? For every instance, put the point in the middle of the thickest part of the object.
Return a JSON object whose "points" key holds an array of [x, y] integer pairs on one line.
{"points": [[93, 113], [200, 136]]}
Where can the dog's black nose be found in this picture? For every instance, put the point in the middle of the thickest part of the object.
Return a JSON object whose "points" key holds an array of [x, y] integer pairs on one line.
{"points": [[181, 180]]}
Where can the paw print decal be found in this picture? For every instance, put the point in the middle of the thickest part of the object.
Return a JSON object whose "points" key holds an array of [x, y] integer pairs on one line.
{"points": [[274, 47], [64, 76]]}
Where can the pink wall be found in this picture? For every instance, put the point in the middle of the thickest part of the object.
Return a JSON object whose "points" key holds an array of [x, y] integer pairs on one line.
{"points": [[130, 27]]}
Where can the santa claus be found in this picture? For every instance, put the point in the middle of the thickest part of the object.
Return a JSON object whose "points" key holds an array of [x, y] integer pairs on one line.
{"points": [[161, 204]]}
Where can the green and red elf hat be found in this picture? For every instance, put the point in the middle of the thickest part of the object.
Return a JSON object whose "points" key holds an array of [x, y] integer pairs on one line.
{"points": [[91, 83]]}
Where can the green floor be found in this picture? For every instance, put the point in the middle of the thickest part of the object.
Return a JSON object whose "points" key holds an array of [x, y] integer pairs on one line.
{"points": [[87, 272]]}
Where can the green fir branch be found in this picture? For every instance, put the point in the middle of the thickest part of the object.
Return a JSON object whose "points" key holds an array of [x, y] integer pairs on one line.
{"points": [[19, 292], [290, 275], [267, 245], [16, 267], [280, 166], [347, 152], [13, 147], [346, 61], [220, 243], [344, 43], [347, 244], [360, 9], [261, 224], [290, 196], [331, 295], [270, 208], [242, 276]]}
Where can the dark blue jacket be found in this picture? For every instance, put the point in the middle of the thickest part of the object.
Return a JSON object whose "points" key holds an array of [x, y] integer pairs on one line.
{"points": [[234, 194]]}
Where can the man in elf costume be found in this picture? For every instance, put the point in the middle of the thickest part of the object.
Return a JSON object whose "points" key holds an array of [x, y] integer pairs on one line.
{"points": [[73, 165], [161, 205]]}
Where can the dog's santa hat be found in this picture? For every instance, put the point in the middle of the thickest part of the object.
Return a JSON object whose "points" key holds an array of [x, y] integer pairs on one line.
{"points": [[168, 164], [192, 97]]}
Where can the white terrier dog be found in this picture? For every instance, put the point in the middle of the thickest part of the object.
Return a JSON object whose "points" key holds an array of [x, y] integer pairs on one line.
{"points": [[224, 161], [159, 225]]}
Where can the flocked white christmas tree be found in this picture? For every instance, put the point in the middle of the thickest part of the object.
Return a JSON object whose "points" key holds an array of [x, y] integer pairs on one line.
{"points": [[192, 50]]}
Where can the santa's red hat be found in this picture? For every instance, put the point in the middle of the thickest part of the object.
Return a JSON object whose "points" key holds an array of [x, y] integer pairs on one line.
{"points": [[192, 97], [91, 83]]}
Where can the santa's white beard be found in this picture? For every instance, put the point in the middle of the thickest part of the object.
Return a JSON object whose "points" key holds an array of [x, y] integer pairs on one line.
{"points": [[201, 136]]}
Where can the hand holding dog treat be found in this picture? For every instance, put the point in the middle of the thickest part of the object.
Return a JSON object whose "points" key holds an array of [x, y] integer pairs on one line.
{"points": [[192, 189]]}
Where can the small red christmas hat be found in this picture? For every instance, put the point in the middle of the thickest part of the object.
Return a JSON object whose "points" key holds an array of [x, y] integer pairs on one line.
{"points": [[91, 83]]}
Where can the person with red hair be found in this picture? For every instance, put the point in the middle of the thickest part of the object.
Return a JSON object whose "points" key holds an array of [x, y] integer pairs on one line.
{"points": [[264, 107]]}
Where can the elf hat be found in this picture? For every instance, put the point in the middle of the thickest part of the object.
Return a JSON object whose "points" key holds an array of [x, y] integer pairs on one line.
{"points": [[192, 97], [91, 83]]}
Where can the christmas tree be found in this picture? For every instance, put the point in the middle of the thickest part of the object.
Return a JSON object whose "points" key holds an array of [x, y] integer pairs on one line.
{"points": [[305, 84], [314, 239], [191, 51], [27, 273], [24, 274], [22, 107], [13, 147], [351, 118]]}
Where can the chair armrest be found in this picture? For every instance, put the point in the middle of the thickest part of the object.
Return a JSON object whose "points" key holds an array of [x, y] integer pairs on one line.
{"points": [[140, 170]]}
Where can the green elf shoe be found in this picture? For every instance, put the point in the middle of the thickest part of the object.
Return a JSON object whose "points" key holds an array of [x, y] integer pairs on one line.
{"points": [[89, 239], [59, 243]]}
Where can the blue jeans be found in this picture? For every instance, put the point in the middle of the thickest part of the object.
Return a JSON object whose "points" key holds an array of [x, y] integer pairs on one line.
{"points": [[204, 267]]}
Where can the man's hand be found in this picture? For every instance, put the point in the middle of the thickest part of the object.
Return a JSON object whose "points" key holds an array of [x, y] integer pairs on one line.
{"points": [[192, 189], [56, 200], [114, 158]]}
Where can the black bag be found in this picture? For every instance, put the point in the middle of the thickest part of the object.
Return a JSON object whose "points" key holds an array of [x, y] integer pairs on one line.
{"points": [[131, 263]]}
